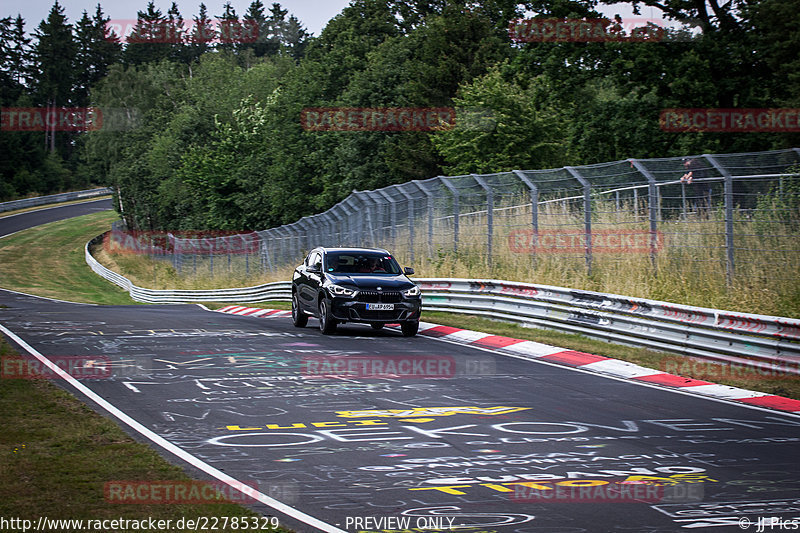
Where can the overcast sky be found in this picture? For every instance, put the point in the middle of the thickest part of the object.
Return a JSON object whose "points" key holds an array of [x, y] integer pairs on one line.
{"points": [[314, 14]]}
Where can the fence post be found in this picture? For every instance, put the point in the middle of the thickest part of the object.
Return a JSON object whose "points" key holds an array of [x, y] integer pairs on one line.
{"points": [[456, 211], [728, 194], [326, 239], [266, 260], [410, 200], [683, 201], [371, 223], [534, 190], [246, 247], [489, 216], [354, 228], [587, 216], [430, 197], [392, 216], [282, 244], [652, 192], [303, 237]]}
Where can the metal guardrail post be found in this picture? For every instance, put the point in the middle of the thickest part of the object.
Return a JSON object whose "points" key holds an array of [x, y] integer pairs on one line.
{"points": [[456, 210], [534, 190], [652, 192], [489, 216], [728, 194], [410, 200], [587, 216]]}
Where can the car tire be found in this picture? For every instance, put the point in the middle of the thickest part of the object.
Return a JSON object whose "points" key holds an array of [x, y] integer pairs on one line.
{"points": [[377, 326], [299, 318], [409, 328], [327, 324]]}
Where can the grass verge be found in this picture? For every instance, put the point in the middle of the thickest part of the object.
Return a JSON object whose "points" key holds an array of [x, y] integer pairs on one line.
{"points": [[48, 261], [56, 455]]}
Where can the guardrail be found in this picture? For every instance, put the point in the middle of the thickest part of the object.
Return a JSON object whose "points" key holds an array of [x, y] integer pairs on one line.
{"points": [[54, 199], [280, 291], [759, 341]]}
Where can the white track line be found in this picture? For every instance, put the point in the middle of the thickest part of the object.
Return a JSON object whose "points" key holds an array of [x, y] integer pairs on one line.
{"points": [[172, 448], [45, 297]]}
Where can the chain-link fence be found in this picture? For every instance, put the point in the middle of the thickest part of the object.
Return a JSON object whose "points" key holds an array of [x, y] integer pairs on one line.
{"points": [[737, 214]]}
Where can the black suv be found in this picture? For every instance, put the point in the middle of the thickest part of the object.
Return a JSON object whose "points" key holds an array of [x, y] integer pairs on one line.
{"points": [[354, 285]]}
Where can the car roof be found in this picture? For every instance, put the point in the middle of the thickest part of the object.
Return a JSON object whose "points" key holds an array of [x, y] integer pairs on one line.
{"points": [[352, 250]]}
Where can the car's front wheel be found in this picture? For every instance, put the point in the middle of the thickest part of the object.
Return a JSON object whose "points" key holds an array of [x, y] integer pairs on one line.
{"points": [[409, 328], [327, 324], [299, 318]]}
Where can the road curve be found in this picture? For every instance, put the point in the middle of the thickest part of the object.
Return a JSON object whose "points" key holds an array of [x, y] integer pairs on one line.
{"points": [[369, 431], [14, 223]]}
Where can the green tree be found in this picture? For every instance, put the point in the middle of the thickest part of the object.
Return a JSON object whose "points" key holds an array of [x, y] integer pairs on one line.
{"points": [[155, 37], [503, 126], [97, 49], [202, 36]]}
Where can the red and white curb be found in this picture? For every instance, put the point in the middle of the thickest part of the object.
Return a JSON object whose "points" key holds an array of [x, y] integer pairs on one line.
{"points": [[584, 361], [254, 311]]}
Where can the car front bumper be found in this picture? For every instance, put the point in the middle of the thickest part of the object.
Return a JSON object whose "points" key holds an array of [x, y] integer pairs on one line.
{"points": [[349, 310]]}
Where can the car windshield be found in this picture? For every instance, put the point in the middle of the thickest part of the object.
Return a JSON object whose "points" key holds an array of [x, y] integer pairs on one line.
{"points": [[361, 263]]}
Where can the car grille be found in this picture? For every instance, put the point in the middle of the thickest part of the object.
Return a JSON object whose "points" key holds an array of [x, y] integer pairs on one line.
{"points": [[374, 297]]}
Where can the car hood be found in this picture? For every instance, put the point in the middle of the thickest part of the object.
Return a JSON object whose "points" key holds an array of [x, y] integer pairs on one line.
{"points": [[369, 282]]}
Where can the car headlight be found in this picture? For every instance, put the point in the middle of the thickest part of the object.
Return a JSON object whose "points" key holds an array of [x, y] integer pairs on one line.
{"points": [[410, 293], [338, 290]]}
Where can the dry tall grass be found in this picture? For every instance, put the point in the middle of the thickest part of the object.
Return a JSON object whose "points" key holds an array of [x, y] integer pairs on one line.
{"points": [[690, 268]]}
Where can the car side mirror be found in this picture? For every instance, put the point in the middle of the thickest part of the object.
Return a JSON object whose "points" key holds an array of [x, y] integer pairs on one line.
{"points": [[408, 271], [315, 268]]}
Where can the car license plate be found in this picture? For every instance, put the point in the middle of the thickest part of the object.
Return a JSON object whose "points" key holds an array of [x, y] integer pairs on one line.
{"points": [[380, 307]]}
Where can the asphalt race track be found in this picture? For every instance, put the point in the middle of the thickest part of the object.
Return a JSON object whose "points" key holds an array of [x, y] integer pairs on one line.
{"points": [[14, 223], [369, 431]]}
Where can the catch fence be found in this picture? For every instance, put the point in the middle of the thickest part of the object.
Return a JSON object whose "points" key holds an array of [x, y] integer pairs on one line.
{"points": [[734, 213]]}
